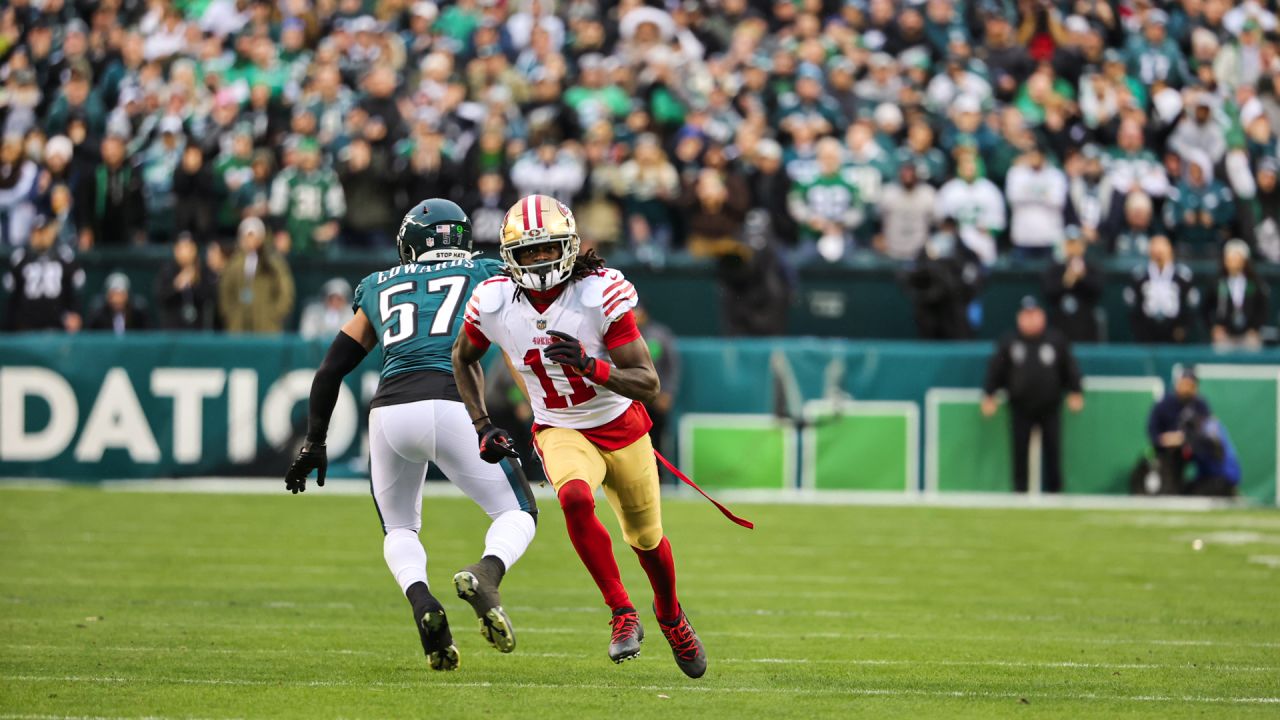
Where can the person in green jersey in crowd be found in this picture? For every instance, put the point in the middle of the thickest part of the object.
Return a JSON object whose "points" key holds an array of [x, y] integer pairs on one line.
{"points": [[414, 311], [307, 202]]}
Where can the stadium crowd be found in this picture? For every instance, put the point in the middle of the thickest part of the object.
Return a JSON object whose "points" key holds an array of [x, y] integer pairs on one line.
{"points": [[946, 135]]}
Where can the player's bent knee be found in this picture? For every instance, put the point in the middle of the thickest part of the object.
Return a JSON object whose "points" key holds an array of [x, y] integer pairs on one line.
{"points": [[646, 539], [533, 514], [575, 496]]}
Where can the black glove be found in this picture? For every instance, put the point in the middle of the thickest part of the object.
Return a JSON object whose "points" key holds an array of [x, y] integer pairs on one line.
{"points": [[495, 444], [312, 456], [568, 351]]}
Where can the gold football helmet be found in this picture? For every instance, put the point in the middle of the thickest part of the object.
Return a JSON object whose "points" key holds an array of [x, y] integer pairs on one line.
{"points": [[537, 220]]}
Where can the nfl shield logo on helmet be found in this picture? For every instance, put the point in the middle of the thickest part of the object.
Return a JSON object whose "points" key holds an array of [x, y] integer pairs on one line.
{"points": [[542, 324]]}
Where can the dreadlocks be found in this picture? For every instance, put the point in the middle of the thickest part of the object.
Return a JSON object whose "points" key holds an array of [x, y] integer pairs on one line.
{"points": [[585, 265]]}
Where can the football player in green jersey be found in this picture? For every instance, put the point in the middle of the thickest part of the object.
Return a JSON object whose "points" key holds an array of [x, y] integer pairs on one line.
{"points": [[414, 310]]}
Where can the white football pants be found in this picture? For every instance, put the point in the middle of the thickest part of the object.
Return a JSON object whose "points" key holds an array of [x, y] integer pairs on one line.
{"points": [[403, 440]]}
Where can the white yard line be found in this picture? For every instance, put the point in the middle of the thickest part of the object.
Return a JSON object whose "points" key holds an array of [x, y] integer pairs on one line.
{"points": [[879, 692], [749, 661], [273, 486]]}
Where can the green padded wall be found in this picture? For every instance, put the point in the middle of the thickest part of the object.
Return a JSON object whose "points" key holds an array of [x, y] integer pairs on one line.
{"points": [[738, 451]]}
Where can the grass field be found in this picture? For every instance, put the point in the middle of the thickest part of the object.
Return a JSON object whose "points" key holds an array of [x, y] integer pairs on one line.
{"points": [[124, 605]]}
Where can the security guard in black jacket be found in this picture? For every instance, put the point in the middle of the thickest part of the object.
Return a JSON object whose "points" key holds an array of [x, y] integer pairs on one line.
{"points": [[1035, 367]]}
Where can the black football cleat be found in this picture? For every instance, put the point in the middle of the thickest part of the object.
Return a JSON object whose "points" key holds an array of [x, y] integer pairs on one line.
{"points": [[627, 635], [690, 656], [478, 585], [437, 640]]}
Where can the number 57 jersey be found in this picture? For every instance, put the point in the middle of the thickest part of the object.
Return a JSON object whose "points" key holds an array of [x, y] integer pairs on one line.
{"points": [[595, 310], [416, 310]]}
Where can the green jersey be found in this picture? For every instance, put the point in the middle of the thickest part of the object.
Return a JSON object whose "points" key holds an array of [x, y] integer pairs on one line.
{"points": [[305, 201], [416, 311], [827, 198]]}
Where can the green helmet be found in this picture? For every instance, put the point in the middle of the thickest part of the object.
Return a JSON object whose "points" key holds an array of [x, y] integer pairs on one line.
{"points": [[435, 229]]}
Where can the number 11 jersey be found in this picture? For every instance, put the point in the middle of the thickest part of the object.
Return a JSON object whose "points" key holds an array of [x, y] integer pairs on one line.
{"points": [[588, 310]]}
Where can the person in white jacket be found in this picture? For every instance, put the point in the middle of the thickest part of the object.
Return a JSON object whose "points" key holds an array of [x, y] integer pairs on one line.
{"points": [[548, 170], [1037, 195], [17, 178], [977, 206]]}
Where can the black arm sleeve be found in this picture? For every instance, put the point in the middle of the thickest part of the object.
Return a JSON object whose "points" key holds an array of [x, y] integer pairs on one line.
{"points": [[343, 357]]}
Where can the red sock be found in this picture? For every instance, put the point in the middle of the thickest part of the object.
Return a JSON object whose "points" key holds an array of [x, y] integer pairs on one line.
{"points": [[592, 541], [661, 569]]}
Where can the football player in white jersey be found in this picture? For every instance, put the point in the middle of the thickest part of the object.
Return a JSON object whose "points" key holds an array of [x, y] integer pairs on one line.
{"points": [[566, 326]]}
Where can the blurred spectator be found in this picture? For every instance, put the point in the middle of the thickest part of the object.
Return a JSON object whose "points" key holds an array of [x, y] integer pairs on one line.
{"points": [[1035, 366], [1161, 296], [1199, 133], [368, 189], [1131, 166], [1072, 290], [906, 208], [1007, 60], [770, 187], [109, 209], [43, 282], [117, 310], [755, 290], [1238, 303], [828, 208], [1093, 203], [666, 360], [1037, 194], [160, 161], [1262, 211], [185, 289], [539, 96], [253, 198], [1200, 210], [487, 205], [232, 171], [593, 97], [714, 214], [977, 206], [255, 292], [76, 99], [324, 316], [921, 151], [941, 283], [1133, 238], [649, 185], [17, 185], [1154, 56], [60, 212], [427, 171], [549, 170], [307, 203], [195, 194]]}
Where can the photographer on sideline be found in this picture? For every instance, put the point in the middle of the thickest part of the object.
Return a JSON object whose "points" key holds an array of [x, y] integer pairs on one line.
{"points": [[1183, 430]]}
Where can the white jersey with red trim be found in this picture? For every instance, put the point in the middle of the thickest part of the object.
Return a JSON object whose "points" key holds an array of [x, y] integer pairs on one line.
{"points": [[585, 310]]}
